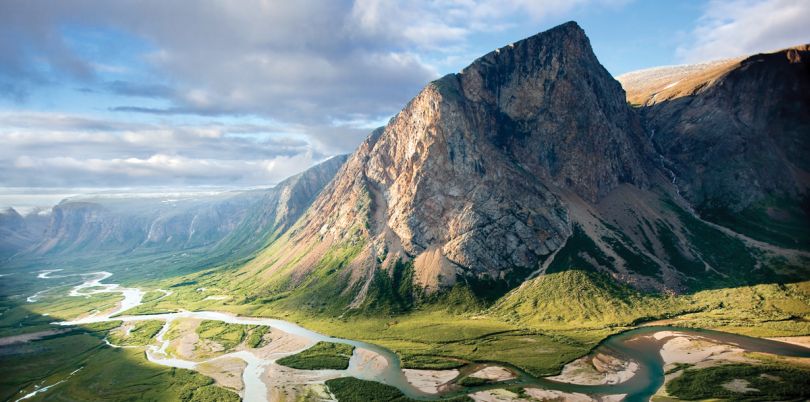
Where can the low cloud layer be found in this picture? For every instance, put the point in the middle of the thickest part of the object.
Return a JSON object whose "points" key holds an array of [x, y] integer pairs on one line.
{"points": [[46, 149]]}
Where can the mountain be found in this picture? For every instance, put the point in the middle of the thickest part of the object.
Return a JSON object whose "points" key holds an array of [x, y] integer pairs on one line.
{"points": [[529, 161], [734, 135], [217, 227], [18, 232]]}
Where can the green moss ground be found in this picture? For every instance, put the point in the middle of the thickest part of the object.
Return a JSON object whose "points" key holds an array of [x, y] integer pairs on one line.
{"points": [[768, 383], [351, 389], [106, 374], [321, 356], [140, 334]]}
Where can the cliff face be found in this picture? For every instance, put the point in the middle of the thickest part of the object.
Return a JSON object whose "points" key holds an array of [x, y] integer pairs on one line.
{"points": [[735, 137], [222, 223], [18, 232], [739, 133], [464, 181]]}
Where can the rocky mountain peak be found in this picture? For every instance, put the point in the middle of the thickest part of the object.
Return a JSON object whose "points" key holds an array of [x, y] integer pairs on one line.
{"points": [[465, 179], [556, 110]]}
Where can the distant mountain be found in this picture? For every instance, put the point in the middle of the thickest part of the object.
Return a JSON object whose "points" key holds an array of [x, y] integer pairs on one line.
{"points": [[18, 232], [228, 225], [736, 136], [530, 161]]}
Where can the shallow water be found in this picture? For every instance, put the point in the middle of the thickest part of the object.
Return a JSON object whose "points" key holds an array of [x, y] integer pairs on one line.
{"points": [[634, 345]]}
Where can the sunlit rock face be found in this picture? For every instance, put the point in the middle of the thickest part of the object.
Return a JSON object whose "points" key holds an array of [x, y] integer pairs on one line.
{"points": [[465, 178]]}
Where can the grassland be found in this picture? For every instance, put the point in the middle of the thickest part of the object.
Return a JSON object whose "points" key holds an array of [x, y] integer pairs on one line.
{"points": [[474, 381], [20, 317], [351, 389], [139, 333], [227, 335], [104, 373], [538, 327], [321, 356], [256, 339], [764, 382]]}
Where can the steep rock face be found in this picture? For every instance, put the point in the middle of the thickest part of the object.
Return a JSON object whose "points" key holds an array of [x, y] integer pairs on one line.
{"points": [[463, 180], [123, 225], [18, 232], [734, 135], [278, 208], [738, 133], [228, 223], [549, 104]]}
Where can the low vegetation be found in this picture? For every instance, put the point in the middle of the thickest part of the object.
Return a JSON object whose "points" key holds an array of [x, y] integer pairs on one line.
{"points": [[99, 372], [474, 381], [753, 383], [227, 335], [350, 389], [322, 356], [256, 339], [139, 333]]}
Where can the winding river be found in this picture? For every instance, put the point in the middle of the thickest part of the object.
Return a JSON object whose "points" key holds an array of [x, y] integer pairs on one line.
{"points": [[636, 345]]}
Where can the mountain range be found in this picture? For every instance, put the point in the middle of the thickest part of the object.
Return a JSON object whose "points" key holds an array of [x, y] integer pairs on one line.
{"points": [[532, 160]]}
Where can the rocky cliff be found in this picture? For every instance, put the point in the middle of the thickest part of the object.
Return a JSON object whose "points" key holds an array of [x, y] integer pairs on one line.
{"points": [[470, 180], [527, 162], [735, 136], [229, 223]]}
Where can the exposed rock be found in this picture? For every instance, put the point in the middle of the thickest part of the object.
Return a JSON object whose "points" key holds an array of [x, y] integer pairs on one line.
{"points": [[736, 132], [463, 179], [20, 232], [225, 223]]}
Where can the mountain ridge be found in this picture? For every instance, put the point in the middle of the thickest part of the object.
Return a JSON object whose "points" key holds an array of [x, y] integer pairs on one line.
{"points": [[530, 153]]}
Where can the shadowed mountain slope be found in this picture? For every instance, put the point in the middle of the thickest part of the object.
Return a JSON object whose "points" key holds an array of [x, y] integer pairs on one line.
{"points": [[735, 137]]}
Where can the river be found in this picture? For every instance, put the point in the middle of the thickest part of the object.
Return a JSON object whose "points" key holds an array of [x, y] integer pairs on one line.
{"points": [[636, 345]]}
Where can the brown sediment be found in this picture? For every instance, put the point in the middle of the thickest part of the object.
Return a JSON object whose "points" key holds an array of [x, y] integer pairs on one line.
{"points": [[226, 372], [494, 373], [429, 381], [597, 370]]}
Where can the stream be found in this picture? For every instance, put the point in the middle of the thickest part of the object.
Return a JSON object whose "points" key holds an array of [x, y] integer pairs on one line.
{"points": [[636, 345]]}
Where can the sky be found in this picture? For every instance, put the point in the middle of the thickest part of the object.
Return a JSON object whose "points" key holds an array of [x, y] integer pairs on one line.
{"points": [[184, 93]]}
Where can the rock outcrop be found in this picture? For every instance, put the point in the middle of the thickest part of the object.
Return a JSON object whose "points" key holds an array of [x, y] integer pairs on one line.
{"points": [[464, 180], [735, 132], [20, 232]]}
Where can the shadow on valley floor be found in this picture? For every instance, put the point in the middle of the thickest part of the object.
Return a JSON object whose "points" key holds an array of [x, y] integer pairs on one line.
{"points": [[77, 365]]}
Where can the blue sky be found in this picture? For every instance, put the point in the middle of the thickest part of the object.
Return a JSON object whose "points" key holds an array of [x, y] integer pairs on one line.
{"points": [[99, 94]]}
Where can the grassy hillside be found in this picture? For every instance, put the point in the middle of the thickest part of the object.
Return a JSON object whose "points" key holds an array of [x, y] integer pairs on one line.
{"points": [[582, 299]]}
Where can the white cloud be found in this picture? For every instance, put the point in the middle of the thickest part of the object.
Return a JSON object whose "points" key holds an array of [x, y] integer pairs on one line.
{"points": [[742, 27], [166, 169], [58, 149], [317, 74]]}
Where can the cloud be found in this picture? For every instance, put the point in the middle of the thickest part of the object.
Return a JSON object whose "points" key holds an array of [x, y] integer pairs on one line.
{"points": [[144, 171], [57, 149], [167, 81], [742, 27], [304, 61]]}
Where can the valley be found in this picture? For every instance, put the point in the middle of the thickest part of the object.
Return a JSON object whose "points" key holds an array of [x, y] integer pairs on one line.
{"points": [[527, 229], [264, 377]]}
